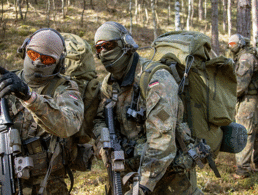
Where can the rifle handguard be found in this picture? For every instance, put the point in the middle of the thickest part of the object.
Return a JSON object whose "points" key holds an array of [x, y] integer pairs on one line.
{"points": [[105, 138]]}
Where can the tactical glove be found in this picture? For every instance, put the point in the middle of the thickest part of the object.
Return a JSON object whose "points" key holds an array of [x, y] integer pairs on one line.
{"points": [[10, 83]]}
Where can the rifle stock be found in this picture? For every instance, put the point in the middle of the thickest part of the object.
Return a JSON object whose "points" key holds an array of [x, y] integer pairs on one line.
{"points": [[114, 152]]}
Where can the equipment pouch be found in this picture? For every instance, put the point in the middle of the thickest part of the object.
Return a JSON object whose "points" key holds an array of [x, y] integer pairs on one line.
{"points": [[84, 158]]}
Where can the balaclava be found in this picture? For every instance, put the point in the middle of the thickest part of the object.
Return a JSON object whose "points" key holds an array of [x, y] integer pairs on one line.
{"points": [[115, 61], [45, 42], [239, 40]]}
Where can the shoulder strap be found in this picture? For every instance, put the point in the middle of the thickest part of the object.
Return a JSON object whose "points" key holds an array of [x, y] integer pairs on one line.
{"points": [[147, 75], [50, 88]]}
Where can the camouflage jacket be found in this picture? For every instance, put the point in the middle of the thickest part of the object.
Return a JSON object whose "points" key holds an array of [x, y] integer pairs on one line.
{"points": [[60, 115], [164, 110], [246, 68]]}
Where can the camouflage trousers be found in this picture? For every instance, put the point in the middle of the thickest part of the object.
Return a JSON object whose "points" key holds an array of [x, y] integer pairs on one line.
{"points": [[247, 115], [175, 183], [55, 186]]}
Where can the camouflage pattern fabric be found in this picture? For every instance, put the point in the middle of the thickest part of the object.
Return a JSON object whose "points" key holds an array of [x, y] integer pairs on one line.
{"points": [[60, 115], [246, 110], [164, 109], [55, 186]]}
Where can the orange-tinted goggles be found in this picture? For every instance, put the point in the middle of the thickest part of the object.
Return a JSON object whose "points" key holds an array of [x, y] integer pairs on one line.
{"points": [[47, 60], [232, 44], [107, 45]]}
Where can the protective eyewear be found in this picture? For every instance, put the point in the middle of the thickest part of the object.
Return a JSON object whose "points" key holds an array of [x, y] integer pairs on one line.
{"points": [[231, 44], [107, 45], [45, 59]]}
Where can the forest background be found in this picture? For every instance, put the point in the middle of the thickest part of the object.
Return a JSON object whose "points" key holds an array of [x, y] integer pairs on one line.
{"points": [[145, 19]]}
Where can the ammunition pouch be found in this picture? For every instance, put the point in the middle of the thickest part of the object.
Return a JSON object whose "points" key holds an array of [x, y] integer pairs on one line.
{"points": [[36, 148], [84, 158], [196, 155]]}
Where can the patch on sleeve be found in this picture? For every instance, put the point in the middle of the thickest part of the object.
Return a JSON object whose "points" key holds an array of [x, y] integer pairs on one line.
{"points": [[74, 97], [163, 115], [153, 83]]}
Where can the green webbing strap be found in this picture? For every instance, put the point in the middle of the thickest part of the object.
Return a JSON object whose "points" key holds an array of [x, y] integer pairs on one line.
{"points": [[43, 183], [51, 86], [147, 75], [207, 96], [188, 108]]}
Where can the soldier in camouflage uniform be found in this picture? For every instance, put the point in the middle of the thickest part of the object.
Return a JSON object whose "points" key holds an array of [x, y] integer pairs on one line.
{"points": [[246, 68], [38, 112], [164, 110]]}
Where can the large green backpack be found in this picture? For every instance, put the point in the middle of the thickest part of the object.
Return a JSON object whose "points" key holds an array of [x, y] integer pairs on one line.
{"points": [[80, 67], [206, 86]]}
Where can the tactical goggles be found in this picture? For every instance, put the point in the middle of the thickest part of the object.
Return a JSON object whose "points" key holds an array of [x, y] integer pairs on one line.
{"points": [[107, 45], [45, 59], [231, 44]]}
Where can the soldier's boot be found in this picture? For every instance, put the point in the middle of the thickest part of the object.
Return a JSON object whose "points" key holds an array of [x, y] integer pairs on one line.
{"points": [[243, 158]]}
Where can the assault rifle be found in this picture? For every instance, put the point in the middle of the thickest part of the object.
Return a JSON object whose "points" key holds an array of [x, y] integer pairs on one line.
{"points": [[114, 152], [10, 147]]}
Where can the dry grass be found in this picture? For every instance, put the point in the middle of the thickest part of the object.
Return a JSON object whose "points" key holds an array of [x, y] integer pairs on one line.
{"points": [[93, 182]]}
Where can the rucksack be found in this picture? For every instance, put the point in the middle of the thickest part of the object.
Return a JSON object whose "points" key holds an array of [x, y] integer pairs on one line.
{"points": [[80, 67], [207, 86]]}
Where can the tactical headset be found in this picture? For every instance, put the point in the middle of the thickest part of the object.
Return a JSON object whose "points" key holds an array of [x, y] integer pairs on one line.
{"points": [[127, 40], [241, 41], [60, 65]]}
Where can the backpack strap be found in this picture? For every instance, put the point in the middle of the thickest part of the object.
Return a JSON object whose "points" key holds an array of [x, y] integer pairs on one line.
{"points": [[147, 75], [51, 86]]}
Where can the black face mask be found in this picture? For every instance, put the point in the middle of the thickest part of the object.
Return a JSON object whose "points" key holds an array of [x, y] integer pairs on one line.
{"points": [[36, 73]]}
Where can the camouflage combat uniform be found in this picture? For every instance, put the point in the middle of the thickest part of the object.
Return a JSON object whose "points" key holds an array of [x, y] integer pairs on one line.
{"points": [[48, 117], [164, 110], [246, 108]]}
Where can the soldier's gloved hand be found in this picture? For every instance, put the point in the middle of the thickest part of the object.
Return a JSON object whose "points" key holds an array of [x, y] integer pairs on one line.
{"points": [[142, 191], [100, 153], [10, 83]]}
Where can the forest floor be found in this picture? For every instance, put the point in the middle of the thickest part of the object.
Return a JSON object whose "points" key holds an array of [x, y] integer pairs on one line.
{"points": [[16, 30]]}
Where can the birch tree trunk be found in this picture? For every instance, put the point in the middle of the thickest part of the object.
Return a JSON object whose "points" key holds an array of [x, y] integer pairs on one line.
{"points": [[63, 8], [27, 8], [200, 9], [205, 9], [54, 12], [224, 14], [20, 10], [192, 12], [16, 12], [154, 18], [254, 21], [169, 10], [229, 17], [214, 27], [136, 11], [83, 13], [244, 18], [2, 9], [188, 16], [48, 13], [177, 16], [146, 14], [131, 16]]}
